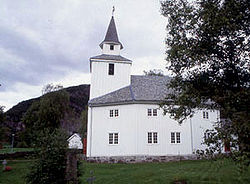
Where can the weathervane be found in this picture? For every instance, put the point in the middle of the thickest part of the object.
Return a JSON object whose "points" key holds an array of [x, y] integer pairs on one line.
{"points": [[113, 10]]}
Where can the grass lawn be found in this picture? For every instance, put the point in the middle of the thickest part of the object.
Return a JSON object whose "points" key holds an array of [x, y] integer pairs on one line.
{"points": [[9, 150], [18, 173], [201, 171]]}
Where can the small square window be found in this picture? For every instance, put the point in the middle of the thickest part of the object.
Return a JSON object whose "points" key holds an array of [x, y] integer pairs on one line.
{"points": [[116, 112], [154, 112], [175, 137], [111, 47], [113, 138], [152, 138], [111, 113], [149, 112], [111, 68]]}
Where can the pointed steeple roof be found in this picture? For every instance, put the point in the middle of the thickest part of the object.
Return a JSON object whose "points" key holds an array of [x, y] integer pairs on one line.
{"points": [[111, 35]]}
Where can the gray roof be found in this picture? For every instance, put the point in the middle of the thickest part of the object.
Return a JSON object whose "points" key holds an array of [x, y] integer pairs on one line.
{"points": [[111, 35], [143, 89], [110, 57]]}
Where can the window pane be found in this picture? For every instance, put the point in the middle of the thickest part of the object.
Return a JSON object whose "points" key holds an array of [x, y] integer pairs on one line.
{"points": [[155, 137], [172, 137], [116, 113], [149, 112], [116, 138], [178, 137], [207, 115], [111, 47], [110, 138], [111, 69], [149, 137], [111, 113], [154, 112]]}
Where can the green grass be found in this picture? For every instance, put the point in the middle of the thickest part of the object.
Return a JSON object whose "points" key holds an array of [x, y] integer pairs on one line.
{"points": [[9, 150], [201, 171], [19, 170], [222, 171]]}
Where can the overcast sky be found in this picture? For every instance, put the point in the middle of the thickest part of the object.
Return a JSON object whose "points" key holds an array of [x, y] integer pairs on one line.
{"points": [[51, 41]]}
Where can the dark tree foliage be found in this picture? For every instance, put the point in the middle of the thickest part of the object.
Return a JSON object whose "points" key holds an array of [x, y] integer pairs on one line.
{"points": [[208, 53], [46, 113], [43, 131], [154, 72], [2, 118], [50, 167]]}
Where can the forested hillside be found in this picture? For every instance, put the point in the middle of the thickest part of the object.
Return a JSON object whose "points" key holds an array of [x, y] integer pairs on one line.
{"points": [[79, 96]]}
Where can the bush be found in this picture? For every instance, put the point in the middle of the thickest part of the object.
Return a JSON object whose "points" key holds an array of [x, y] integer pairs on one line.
{"points": [[22, 144], [50, 166]]}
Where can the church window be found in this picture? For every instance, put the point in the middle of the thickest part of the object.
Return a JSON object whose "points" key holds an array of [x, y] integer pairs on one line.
{"points": [[154, 112], [113, 138], [172, 137], [149, 137], [111, 113], [178, 137], [111, 47], [175, 137], [155, 137], [205, 115], [152, 138], [149, 112], [116, 112], [111, 68]]}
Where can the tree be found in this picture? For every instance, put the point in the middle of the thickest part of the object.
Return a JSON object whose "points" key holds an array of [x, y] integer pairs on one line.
{"points": [[2, 118], [43, 130], [154, 72], [50, 88], [208, 53], [50, 167], [46, 113]]}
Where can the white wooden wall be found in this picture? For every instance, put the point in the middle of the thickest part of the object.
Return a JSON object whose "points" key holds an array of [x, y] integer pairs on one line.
{"points": [[133, 124], [102, 83]]}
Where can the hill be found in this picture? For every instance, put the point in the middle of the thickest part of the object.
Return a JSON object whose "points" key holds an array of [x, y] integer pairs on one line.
{"points": [[79, 96]]}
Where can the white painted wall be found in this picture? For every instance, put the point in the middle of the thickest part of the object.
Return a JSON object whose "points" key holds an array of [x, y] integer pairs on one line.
{"points": [[106, 49], [75, 142], [102, 83], [133, 124]]}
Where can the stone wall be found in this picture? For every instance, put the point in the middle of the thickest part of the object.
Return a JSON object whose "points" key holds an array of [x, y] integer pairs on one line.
{"points": [[140, 159]]}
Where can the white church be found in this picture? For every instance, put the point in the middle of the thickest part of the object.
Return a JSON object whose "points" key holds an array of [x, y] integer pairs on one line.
{"points": [[124, 118]]}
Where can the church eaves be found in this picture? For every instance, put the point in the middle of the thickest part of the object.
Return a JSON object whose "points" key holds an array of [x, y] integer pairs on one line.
{"points": [[111, 35]]}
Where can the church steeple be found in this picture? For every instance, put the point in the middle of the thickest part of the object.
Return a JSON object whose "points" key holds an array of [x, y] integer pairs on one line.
{"points": [[111, 37]]}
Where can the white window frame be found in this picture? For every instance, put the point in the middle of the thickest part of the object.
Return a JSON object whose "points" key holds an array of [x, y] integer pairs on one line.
{"points": [[175, 137], [152, 137], [113, 113], [152, 112], [113, 138]]}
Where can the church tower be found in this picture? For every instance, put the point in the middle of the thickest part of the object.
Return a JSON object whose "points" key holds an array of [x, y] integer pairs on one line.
{"points": [[109, 71]]}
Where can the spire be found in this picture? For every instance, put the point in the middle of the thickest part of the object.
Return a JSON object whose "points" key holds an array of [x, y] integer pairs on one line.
{"points": [[111, 35]]}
